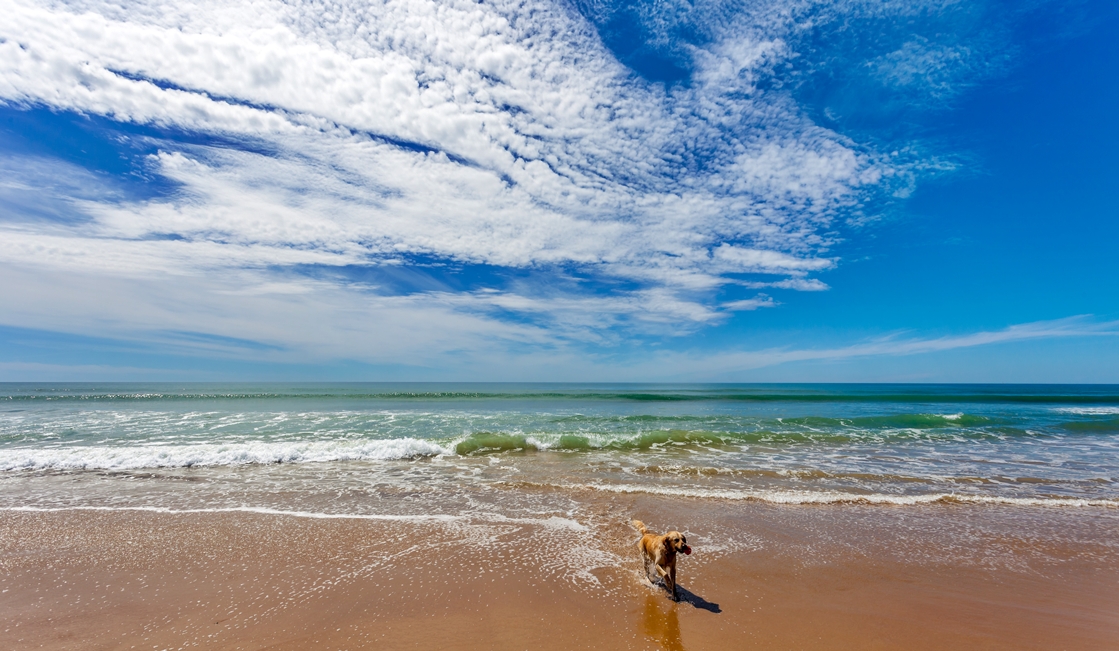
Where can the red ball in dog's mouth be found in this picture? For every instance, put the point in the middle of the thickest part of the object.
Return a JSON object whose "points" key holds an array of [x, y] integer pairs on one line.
{"points": [[687, 550]]}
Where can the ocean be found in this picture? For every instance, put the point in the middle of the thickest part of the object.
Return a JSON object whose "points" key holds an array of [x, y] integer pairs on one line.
{"points": [[438, 450]]}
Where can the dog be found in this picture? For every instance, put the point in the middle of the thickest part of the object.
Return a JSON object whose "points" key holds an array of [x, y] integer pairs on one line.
{"points": [[661, 552]]}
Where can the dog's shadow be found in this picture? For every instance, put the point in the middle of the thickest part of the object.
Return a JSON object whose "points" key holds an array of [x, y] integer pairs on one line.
{"points": [[687, 596]]}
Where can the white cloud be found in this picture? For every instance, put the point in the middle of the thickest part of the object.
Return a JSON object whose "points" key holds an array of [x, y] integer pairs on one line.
{"points": [[750, 304], [502, 133], [766, 261], [799, 284], [298, 321]]}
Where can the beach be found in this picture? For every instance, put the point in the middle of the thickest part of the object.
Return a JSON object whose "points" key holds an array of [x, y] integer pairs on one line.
{"points": [[369, 517], [761, 576]]}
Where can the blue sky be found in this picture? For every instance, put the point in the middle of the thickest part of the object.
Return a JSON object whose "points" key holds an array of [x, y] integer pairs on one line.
{"points": [[593, 191]]}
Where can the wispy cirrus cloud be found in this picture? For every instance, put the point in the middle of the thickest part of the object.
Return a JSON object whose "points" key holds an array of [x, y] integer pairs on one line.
{"points": [[302, 152], [729, 363]]}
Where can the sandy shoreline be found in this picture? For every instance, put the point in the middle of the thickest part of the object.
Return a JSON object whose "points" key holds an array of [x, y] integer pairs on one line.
{"points": [[941, 577]]}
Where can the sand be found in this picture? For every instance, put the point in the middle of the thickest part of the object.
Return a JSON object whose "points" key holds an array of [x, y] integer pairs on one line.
{"points": [[761, 577]]}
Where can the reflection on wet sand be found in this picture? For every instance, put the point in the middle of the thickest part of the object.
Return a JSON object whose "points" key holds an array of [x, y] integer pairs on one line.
{"points": [[662, 623]]}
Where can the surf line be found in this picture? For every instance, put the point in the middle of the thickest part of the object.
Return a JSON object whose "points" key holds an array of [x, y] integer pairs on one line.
{"points": [[553, 522], [260, 510], [795, 498]]}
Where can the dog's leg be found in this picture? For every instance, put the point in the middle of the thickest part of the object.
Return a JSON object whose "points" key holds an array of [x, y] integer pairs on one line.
{"points": [[670, 585], [668, 580], [644, 559]]}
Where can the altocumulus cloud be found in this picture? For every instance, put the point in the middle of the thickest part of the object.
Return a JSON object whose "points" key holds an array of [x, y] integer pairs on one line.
{"points": [[310, 155]]}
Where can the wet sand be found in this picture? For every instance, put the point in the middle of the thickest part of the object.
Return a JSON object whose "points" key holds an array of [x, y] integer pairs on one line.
{"points": [[762, 576]]}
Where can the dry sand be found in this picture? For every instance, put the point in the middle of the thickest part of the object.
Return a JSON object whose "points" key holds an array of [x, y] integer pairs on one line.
{"points": [[765, 577]]}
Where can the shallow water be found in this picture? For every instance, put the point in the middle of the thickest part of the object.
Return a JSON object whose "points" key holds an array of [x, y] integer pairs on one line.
{"points": [[523, 450]]}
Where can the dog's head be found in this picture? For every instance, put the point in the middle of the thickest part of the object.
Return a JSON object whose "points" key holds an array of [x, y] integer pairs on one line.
{"points": [[677, 542]]}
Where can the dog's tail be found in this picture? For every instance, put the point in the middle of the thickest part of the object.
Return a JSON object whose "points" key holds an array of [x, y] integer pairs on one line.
{"points": [[640, 526]]}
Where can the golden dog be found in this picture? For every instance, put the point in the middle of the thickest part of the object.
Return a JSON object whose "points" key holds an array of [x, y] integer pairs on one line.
{"points": [[661, 552]]}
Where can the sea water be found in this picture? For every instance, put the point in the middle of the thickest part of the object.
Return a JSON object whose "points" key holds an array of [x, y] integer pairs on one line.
{"points": [[516, 450]]}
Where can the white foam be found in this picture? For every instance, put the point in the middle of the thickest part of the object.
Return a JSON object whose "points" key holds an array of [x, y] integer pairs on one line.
{"points": [[538, 443], [834, 497], [213, 454], [1088, 411], [261, 510], [554, 522]]}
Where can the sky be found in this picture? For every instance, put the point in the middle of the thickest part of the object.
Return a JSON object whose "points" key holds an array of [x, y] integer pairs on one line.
{"points": [[560, 190]]}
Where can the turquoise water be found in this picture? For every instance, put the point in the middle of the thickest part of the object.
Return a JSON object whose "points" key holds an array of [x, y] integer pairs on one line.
{"points": [[1024, 444]]}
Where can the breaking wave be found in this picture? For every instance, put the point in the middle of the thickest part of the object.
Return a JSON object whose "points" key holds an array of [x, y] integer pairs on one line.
{"points": [[213, 454]]}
